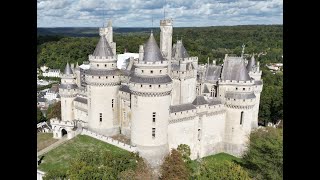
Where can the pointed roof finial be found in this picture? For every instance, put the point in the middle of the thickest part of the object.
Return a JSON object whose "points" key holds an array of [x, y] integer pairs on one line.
{"points": [[151, 50]]}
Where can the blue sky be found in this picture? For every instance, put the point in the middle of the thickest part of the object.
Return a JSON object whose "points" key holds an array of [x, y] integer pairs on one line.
{"points": [[139, 13]]}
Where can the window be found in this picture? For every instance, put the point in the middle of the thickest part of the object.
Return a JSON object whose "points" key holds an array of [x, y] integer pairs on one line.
{"points": [[244, 88], [92, 76], [159, 85], [112, 76], [112, 103], [99, 77], [106, 77], [241, 118], [105, 65], [154, 117], [151, 71], [142, 71], [236, 88], [112, 65], [150, 86], [160, 71], [153, 132], [97, 65], [141, 85], [100, 117]]}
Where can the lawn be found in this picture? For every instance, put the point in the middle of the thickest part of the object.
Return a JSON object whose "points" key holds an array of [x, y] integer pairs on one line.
{"points": [[59, 157], [44, 140]]}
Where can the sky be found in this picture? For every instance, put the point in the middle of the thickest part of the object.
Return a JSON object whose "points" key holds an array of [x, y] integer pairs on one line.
{"points": [[148, 13]]}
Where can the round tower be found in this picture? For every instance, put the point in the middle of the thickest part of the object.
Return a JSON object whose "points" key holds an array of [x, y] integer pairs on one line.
{"points": [[151, 96], [68, 92], [103, 81]]}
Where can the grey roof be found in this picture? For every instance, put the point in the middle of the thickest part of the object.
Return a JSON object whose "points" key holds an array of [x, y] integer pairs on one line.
{"points": [[236, 95], [82, 100], [212, 73], [205, 89], [151, 79], [179, 51], [68, 86], [175, 67], [199, 100], [58, 96], [125, 72], [102, 72], [41, 99], [151, 50], [181, 107], [103, 48], [234, 69], [67, 69], [124, 88], [251, 63], [258, 82], [214, 101]]}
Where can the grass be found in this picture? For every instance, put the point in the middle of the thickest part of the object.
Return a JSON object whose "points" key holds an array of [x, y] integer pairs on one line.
{"points": [[44, 140], [60, 157]]}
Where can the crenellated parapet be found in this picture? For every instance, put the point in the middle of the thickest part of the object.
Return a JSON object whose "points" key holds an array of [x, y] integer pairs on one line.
{"points": [[151, 94], [99, 59], [234, 82], [57, 122]]}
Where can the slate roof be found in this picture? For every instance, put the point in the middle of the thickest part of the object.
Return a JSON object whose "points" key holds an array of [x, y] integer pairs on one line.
{"points": [[82, 100], [234, 69], [103, 48], [199, 100], [179, 51], [258, 82], [150, 79], [181, 107], [67, 69], [236, 95], [68, 86], [212, 74], [151, 50], [124, 88], [251, 63], [214, 101], [205, 89]]}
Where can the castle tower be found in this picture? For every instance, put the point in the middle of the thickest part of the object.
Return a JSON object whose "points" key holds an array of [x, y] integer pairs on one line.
{"points": [[103, 81], [108, 33], [166, 40], [151, 87], [68, 92], [183, 74], [236, 89], [255, 73], [77, 73]]}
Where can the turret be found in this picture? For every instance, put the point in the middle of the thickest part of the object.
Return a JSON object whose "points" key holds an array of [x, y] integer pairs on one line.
{"points": [[151, 89], [108, 33], [103, 81], [166, 40]]}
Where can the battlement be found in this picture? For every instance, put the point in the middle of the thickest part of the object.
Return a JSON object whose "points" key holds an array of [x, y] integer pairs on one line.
{"points": [[250, 82], [101, 58], [166, 22], [144, 63], [56, 121], [150, 88]]}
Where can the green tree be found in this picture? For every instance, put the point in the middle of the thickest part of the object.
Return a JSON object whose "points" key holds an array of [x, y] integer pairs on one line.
{"points": [[264, 157], [40, 117], [225, 170], [173, 167], [54, 110]]}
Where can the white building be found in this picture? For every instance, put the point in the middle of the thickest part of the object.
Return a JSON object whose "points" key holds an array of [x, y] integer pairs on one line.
{"points": [[52, 93], [162, 98], [123, 59], [52, 73]]}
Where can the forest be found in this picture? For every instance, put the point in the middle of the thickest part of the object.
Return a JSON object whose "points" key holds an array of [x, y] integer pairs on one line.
{"points": [[57, 46]]}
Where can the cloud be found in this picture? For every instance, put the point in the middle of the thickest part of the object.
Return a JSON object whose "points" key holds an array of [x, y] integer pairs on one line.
{"points": [[139, 13]]}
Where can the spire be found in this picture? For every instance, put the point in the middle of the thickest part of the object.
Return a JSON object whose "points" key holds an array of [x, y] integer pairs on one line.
{"points": [[151, 50], [109, 23], [67, 70], [251, 63], [103, 48], [181, 51]]}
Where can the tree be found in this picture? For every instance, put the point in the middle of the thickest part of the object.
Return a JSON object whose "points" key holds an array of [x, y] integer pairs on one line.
{"points": [[40, 117], [54, 110], [217, 170], [264, 157], [173, 167], [185, 151]]}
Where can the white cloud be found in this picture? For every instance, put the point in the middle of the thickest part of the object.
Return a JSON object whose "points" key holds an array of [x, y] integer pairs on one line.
{"points": [[137, 13]]}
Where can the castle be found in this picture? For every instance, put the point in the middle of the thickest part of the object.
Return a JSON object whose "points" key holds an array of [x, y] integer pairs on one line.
{"points": [[162, 99]]}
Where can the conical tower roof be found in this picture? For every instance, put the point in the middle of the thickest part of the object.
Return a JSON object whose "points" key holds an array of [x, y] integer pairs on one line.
{"points": [[103, 48], [68, 70], [180, 51], [151, 50], [251, 63]]}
